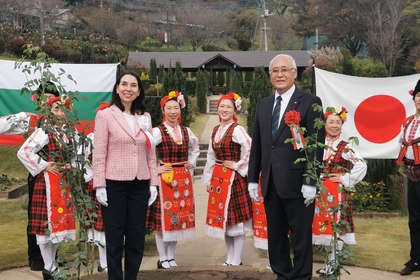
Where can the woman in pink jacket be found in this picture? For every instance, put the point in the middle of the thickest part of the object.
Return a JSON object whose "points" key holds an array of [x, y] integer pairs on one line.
{"points": [[125, 176]]}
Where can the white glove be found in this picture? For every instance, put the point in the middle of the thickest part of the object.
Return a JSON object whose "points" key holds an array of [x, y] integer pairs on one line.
{"points": [[309, 193], [101, 196], [253, 191], [153, 194]]}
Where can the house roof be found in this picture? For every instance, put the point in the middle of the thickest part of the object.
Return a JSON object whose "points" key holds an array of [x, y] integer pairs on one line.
{"points": [[196, 60]]}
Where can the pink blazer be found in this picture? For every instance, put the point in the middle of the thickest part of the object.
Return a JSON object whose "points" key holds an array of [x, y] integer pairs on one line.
{"points": [[118, 154]]}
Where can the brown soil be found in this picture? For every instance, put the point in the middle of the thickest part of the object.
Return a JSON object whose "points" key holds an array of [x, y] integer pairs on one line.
{"points": [[199, 275]]}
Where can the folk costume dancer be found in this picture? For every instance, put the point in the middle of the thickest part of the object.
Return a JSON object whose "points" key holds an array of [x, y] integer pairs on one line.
{"points": [[410, 155], [172, 215], [344, 168], [50, 218], [229, 210]]}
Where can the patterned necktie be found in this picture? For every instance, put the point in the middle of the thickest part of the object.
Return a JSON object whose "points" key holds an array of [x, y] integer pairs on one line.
{"points": [[413, 130], [275, 118]]}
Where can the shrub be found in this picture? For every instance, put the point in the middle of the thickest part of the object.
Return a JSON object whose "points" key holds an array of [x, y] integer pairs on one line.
{"points": [[154, 90], [60, 55], [101, 59], [2, 45], [220, 78], [87, 53], [16, 45], [190, 85], [367, 67], [6, 182], [75, 57], [152, 104], [201, 91], [151, 91], [211, 48], [371, 196], [48, 49]]}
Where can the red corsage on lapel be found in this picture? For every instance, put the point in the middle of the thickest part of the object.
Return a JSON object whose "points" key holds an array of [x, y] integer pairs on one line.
{"points": [[292, 119]]}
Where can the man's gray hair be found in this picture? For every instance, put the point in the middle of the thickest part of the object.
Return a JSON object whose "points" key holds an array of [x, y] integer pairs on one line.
{"points": [[282, 55]]}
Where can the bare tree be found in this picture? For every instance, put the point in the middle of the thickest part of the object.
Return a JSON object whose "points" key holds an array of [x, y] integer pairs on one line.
{"points": [[34, 13], [383, 39], [201, 25], [282, 34]]}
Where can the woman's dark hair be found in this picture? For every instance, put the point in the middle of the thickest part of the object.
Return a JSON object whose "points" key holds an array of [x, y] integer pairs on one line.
{"points": [[47, 87], [137, 106]]}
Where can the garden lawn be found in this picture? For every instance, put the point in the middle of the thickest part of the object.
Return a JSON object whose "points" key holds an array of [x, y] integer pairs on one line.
{"points": [[198, 124], [382, 243], [10, 164], [13, 221], [13, 244]]}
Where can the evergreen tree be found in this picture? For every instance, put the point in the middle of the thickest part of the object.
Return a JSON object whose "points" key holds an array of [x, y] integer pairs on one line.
{"points": [[161, 74], [201, 92], [213, 76], [260, 88], [179, 77], [153, 71], [220, 78], [249, 76], [237, 83]]}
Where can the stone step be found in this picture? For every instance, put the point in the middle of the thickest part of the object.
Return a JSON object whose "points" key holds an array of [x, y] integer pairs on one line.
{"points": [[204, 146], [198, 171], [201, 161], [203, 154]]}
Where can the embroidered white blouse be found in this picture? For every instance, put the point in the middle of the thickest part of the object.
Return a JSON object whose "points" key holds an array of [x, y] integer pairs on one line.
{"points": [[28, 152], [358, 172], [239, 136], [20, 120]]}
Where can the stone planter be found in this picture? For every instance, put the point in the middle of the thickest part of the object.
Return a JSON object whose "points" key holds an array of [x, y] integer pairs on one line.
{"points": [[14, 191]]}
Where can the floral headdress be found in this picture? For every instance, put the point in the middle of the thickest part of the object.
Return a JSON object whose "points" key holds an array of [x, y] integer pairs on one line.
{"points": [[63, 99], [416, 90], [234, 97], [173, 95], [340, 111]]}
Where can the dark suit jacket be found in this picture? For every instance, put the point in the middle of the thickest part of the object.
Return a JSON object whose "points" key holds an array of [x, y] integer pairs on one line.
{"points": [[275, 156]]}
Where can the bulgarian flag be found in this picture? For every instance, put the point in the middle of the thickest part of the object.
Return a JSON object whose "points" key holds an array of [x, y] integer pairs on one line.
{"points": [[377, 107], [94, 82]]}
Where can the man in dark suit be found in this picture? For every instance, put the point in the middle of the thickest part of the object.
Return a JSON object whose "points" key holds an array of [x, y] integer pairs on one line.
{"points": [[288, 198]]}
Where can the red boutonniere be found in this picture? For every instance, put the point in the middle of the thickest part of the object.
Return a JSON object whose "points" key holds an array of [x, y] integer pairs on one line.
{"points": [[292, 119]]}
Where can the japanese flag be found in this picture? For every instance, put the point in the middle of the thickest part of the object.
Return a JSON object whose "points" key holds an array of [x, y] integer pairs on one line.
{"points": [[376, 108]]}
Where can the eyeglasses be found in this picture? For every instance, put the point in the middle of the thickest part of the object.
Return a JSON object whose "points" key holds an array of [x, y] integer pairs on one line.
{"points": [[283, 71]]}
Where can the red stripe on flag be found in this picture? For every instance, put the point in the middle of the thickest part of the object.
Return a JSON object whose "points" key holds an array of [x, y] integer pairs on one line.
{"points": [[17, 140]]}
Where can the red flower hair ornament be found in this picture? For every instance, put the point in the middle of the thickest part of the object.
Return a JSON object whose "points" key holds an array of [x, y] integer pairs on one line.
{"points": [[234, 97], [173, 95], [63, 99]]}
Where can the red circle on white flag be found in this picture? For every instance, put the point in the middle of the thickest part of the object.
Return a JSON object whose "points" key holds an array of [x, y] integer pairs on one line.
{"points": [[379, 118]]}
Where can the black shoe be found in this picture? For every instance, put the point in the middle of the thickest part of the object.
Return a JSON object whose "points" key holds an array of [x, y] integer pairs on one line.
{"points": [[47, 275], [36, 265], [410, 267], [101, 269], [160, 266]]}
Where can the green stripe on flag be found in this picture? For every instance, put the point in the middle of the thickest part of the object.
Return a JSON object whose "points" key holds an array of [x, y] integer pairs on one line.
{"points": [[11, 102]]}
